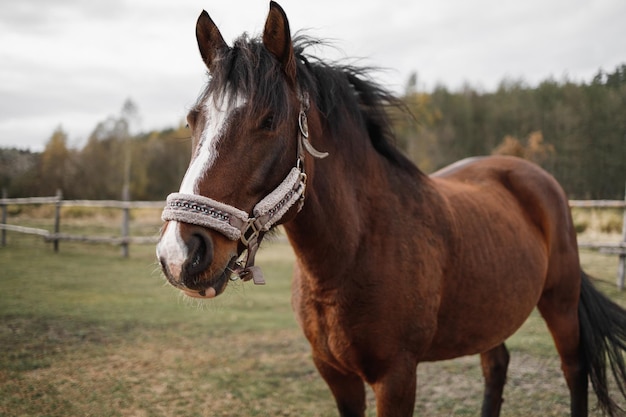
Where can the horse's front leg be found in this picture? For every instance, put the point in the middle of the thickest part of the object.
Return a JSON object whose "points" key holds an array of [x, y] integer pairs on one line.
{"points": [[395, 389], [348, 389]]}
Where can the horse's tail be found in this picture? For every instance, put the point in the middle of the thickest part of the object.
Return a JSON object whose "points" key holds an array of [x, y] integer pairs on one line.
{"points": [[603, 341]]}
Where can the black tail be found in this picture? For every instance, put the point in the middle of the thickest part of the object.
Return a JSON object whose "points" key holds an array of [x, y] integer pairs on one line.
{"points": [[603, 340]]}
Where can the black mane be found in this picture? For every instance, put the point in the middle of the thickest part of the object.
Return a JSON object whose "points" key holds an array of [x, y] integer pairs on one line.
{"points": [[339, 91]]}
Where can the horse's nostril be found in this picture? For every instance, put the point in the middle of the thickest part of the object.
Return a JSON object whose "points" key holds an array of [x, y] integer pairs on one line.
{"points": [[200, 253], [196, 260]]}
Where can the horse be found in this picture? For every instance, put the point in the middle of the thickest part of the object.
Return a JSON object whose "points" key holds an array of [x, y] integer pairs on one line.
{"points": [[393, 267]]}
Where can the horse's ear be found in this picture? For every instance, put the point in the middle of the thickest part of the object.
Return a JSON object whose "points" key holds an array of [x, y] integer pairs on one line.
{"points": [[210, 40], [277, 40]]}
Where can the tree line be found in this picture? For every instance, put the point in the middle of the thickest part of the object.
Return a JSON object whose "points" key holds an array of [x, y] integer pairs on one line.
{"points": [[148, 165], [575, 130]]}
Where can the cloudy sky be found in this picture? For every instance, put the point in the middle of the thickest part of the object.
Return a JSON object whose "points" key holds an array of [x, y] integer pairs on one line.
{"points": [[72, 63]]}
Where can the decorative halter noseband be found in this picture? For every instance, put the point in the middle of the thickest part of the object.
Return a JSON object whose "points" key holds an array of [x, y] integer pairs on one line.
{"points": [[236, 224]]}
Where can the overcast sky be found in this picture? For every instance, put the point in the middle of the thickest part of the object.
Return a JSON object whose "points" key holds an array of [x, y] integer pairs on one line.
{"points": [[73, 63]]}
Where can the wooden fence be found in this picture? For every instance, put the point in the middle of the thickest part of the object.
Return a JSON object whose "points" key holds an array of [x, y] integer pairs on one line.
{"points": [[618, 248], [124, 240]]}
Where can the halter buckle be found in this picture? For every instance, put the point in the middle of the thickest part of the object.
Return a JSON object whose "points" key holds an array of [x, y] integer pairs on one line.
{"points": [[251, 232]]}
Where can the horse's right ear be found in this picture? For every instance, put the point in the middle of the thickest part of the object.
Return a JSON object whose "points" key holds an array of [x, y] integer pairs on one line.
{"points": [[277, 40], [210, 40]]}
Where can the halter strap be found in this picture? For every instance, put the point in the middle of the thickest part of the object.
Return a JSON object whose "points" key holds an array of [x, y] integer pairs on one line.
{"points": [[237, 224], [230, 221]]}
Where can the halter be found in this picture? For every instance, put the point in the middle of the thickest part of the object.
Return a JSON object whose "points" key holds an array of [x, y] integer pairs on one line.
{"points": [[237, 224]]}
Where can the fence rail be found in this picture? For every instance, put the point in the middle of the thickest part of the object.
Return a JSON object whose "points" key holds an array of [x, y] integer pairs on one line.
{"points": [[22, 229], [598, 203], [56, 236], [118, 204], [618, 248]]}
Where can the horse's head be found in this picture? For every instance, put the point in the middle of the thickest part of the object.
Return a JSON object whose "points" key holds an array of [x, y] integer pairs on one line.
{"points": [[246, 175]]}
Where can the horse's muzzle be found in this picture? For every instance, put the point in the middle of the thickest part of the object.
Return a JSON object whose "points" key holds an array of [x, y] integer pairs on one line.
{"points": [[189, 262]]}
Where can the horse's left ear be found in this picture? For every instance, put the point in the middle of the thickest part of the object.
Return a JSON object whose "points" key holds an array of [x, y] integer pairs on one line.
{"points": [[277, 40], [210, 40]]}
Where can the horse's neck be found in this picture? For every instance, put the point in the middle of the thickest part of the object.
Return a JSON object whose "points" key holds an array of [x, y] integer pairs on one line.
{"points": [[347, 206]]}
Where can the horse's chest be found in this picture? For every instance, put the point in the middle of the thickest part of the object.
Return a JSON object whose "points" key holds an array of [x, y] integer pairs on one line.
{"points": [[331, 334]]}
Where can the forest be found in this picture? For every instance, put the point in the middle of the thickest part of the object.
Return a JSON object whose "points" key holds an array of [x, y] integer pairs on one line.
{"points": [[575, 130]]}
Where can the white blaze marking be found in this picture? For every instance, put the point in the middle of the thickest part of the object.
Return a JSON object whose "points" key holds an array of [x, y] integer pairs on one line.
{"points": [[217, 116], [172, 248]]}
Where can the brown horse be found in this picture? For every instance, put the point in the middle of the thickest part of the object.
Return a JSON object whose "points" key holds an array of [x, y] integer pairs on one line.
{"points": [[393, 267]]}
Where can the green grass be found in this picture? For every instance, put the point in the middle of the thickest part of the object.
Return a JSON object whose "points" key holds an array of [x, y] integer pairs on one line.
{"points": [[84, 332]]}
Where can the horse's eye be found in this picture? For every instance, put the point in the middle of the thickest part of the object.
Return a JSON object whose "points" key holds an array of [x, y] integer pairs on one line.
{"points": [[191, 118], [268, 123]]}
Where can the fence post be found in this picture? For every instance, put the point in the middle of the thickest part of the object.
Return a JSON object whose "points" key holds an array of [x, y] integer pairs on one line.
{"points": [[4, 217], [125, 220], [621, 267], [57, 219]]}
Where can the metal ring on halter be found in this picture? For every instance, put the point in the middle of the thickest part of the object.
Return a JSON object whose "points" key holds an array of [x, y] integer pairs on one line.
{"points": [[303, 124]]}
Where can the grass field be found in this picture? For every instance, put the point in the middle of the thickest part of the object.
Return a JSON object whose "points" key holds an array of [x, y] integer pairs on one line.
{"points": [[84, 332]]}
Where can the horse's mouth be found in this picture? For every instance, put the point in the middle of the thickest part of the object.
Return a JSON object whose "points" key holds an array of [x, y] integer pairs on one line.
{"points": [[206, 294], [214, 287]]}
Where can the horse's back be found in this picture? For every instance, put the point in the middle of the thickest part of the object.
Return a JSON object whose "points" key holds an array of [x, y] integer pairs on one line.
{"points": [[512, 225], [533, 189]]}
